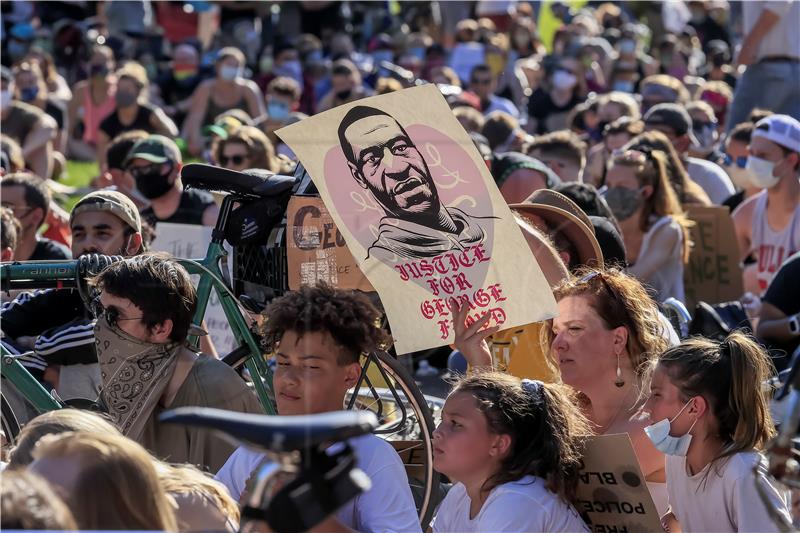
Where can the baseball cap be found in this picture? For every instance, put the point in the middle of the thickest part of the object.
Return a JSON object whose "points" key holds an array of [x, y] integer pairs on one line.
{"points": [[673, 116], [561, 214], [223, 127], [780, 129], [114, 202], [156, 149]]}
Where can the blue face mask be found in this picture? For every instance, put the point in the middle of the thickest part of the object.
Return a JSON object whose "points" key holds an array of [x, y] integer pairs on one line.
{"points": [[623, 86], [658, 433], [277, 110], [29, 94]]}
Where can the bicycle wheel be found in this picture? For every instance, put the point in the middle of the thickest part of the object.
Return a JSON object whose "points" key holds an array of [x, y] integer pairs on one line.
{"points": [[405, 421], [10, 424]]}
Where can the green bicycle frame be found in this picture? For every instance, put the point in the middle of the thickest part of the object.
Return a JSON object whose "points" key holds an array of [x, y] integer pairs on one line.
{"points": [[58, 274]]}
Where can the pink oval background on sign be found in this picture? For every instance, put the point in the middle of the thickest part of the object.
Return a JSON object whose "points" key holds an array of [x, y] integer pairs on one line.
{"points": [[459, 183]]}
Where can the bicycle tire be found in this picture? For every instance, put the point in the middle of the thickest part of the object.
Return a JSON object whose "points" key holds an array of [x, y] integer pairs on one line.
{"points": [[427, 494], [10, 424]]}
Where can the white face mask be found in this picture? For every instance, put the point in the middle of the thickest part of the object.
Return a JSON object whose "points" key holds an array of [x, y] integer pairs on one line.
{"points": [[5, 99], [564, 80], [761, 172], [741, 177], [658, 433], [228, 72]]}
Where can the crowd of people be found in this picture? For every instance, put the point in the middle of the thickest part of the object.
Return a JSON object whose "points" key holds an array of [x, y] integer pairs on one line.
{"points": [[602, 125]]}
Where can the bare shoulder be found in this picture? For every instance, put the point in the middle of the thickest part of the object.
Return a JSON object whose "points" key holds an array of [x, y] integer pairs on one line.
{"points": [[744, 212]]}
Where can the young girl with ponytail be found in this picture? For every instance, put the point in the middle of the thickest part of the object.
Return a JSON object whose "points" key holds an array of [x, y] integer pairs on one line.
{"points": [[512, 449], [711, 419]]}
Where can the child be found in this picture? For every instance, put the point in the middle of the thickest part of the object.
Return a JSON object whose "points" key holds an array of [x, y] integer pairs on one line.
{"points": [[711, 420], [513, 450]]}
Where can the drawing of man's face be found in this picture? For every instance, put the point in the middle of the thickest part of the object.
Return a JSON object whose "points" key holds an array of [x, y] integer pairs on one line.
{"points": [[386, 162]]}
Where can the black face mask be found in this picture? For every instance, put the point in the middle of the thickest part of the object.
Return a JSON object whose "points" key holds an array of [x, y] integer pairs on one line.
{"points": [[344, 95], [151, 182]]}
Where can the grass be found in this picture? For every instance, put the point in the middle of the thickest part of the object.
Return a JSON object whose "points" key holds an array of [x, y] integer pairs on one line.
{"points": [[79, 175]]}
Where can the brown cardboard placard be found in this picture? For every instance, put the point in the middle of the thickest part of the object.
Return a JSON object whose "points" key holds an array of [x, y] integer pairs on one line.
{"points": [[713, 274], [316, 250], [612, 494], [421, 214]]}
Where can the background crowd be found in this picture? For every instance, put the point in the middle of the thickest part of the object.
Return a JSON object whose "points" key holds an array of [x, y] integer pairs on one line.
{"points": [[602, 124]]}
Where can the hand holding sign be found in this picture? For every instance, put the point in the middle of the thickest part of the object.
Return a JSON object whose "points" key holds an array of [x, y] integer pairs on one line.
{"points": [[470, 336]]}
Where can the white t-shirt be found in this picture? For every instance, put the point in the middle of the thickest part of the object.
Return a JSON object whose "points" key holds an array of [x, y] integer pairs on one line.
{"points": [[725, 502], [782, 39], [387, 506], [522, 505], [712, 178]]}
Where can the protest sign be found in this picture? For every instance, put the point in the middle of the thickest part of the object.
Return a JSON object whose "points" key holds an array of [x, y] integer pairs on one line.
{"points": [[421, 214], [612, 493], [316, 250], [713, 274], [191, 242]]}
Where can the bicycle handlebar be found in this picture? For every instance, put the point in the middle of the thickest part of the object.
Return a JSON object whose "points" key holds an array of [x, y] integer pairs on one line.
{"points": [[52, 274]]}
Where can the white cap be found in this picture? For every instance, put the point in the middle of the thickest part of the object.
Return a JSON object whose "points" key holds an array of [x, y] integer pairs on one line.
{"points": [[780, 129]]}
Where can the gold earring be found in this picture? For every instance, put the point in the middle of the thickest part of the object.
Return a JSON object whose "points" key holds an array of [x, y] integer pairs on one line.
{"points": [[619, 382]]}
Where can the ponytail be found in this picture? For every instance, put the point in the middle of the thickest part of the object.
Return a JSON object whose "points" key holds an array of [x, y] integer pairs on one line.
{"points": [[729, 376]]}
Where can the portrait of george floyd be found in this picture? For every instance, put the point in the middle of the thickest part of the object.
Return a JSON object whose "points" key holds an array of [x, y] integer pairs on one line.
{"points": [[421, 214], [383, 159]]}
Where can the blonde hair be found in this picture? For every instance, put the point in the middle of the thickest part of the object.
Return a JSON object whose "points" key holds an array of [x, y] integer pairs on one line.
{"points": [[28, 502], [619, 300], [55, 422], [185, 479], [260, 150], [117, 487], [650, 168], [137, 73], [729, 376], [668, 81]]}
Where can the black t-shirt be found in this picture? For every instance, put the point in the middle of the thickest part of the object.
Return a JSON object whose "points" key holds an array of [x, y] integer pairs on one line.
{"points": [[56, 111], [541, 107], [190, 211], [112, 126], [47, 250], [784, 293]]}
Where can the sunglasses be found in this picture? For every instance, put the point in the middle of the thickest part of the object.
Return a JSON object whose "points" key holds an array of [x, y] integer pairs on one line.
{"points": [[111, 312], [235, 159], [740, 161], [610, 290]]}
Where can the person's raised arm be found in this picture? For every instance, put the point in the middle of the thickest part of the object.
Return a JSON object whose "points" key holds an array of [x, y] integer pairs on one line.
{"points": [[470, 340]]}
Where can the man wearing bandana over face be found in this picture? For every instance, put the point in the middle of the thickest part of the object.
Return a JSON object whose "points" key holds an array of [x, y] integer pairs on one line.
{"points": [[144, 314], [155, 164]]}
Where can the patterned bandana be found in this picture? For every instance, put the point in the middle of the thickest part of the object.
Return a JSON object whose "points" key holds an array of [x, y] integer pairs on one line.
{"points": [[135, 374]]}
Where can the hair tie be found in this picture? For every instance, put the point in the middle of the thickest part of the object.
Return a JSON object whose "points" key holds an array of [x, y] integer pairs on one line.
{"points": [[535, 388]]}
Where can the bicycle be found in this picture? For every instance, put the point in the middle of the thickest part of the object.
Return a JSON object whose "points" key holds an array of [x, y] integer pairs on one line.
{"points": [[306, 480], [259, 274]]}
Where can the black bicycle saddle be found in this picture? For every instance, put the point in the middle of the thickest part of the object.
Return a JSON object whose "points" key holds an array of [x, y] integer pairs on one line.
{"points": [[277, 433], [257, 183]]}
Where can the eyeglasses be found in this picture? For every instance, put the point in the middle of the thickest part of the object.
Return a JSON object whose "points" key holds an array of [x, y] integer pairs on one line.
{"points": [[740, 161], [111, 312], [235, 159], [138, 172]]}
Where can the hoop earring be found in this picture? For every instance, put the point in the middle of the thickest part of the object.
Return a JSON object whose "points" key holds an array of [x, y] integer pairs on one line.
{"points": [[619, 382]]}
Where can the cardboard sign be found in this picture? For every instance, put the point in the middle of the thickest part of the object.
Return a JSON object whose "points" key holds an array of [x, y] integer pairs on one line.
{"points": [[421, 214], [188, 241], [713, 274], [612, 493], [316, 250]]}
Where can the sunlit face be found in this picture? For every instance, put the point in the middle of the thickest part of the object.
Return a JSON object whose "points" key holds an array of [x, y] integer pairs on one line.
{"points": [[100, 232], [13, 197], [235, 156], [462, 442], [564, 168], [308, 377], [665, 402], [582, 344], [622, 176], [522, 183], [389, 165]]}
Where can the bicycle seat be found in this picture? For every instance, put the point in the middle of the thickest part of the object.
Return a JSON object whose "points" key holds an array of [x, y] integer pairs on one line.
{"points": [[256, 183], [277, 433]]}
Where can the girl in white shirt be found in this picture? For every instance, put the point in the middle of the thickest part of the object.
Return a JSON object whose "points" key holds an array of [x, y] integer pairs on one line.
{"points": [[512, 449], [712, 421]]}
